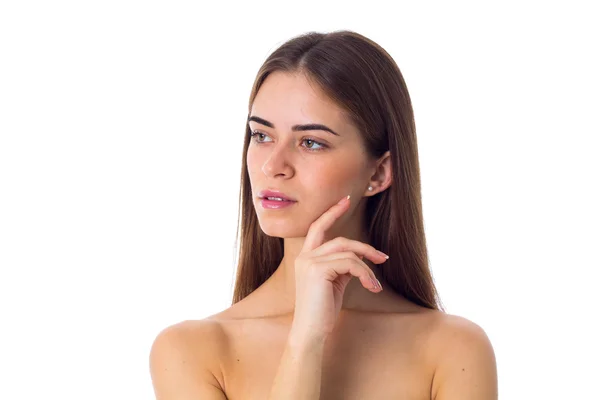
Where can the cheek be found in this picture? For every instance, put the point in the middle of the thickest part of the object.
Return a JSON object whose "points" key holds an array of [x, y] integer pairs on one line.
{"points": [[324, 184], [340, 169], [251, 162], [252, 167]]}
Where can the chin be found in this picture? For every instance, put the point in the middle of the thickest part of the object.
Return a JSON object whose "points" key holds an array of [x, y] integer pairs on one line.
{"points": [[281, 227]]}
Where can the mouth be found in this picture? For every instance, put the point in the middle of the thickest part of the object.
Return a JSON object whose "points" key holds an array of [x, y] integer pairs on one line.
{"points": [[275, 203], [277, 199], [272, 195]]}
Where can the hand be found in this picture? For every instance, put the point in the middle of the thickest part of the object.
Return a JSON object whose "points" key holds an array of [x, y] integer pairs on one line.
{"points": [[322, 272]]}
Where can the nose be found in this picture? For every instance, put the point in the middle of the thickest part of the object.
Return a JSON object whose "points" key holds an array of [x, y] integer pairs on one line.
{"points": [[277, 163]]}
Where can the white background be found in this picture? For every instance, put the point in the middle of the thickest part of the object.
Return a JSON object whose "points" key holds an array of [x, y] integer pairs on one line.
{"points": [[120, 151]]}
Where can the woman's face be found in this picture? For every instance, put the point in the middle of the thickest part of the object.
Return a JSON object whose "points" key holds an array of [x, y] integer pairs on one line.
{"points": [[314, 167]]}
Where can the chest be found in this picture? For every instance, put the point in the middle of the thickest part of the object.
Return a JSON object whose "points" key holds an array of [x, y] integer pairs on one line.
{"points": [[359, 363]]}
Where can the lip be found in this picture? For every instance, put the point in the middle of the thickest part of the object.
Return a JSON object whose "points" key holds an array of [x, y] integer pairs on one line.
{"points": [[276, 204], [263, 194]]}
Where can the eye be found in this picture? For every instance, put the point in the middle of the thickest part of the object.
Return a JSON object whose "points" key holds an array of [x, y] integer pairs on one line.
{"points": [[257, 136], [314, 142]]}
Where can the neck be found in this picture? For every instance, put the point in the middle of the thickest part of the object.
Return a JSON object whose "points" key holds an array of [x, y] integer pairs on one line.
{"points": [[283, 280]]}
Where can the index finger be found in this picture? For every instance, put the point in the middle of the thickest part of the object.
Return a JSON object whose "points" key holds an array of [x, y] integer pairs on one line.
{"points": [[316, 232]]}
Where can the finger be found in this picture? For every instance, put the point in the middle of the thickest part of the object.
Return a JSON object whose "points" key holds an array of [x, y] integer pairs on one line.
{"points": [[316, 232], [346, 255], [341, 244], [334, 268]]}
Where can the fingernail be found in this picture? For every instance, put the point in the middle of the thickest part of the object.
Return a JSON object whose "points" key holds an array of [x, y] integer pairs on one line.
{"points": [[376, 284], [345, 198], [383, 254]]}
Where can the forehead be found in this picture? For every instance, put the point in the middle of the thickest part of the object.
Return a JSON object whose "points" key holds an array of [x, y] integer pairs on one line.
{"points": [[287, 99]]}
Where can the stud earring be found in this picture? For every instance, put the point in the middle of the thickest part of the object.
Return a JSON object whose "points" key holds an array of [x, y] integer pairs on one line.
{"points": [[370, 188]]}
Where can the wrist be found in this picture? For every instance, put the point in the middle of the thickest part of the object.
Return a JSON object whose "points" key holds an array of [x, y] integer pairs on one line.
{"points": [[305, 342]]}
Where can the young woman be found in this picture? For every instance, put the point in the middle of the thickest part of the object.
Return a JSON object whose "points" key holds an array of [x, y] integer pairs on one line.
{"points": [[329, 116]]}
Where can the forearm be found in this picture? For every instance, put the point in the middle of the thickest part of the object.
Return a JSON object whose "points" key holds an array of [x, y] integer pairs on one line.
{"points": [[299, 374]]}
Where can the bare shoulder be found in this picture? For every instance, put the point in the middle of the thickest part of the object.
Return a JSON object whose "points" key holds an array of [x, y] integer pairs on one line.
{"points": [[465, 360], [184, 361]]}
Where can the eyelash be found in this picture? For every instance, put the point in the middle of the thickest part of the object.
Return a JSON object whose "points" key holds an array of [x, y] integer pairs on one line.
{"points": [[323, 146]]}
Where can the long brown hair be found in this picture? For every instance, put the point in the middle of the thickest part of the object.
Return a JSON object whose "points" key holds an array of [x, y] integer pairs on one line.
{"points": [[364, 80]]}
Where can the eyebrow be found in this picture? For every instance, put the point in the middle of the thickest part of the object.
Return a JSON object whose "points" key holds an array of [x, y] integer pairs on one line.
{"points": [[305, 127]]}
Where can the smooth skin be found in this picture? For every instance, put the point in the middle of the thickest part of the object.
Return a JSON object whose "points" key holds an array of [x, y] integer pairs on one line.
{"points": [[323, 270], [182, 358], [186, 358]]}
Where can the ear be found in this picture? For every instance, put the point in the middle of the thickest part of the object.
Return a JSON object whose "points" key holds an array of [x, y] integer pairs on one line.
{"points": [[382, 177]]}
